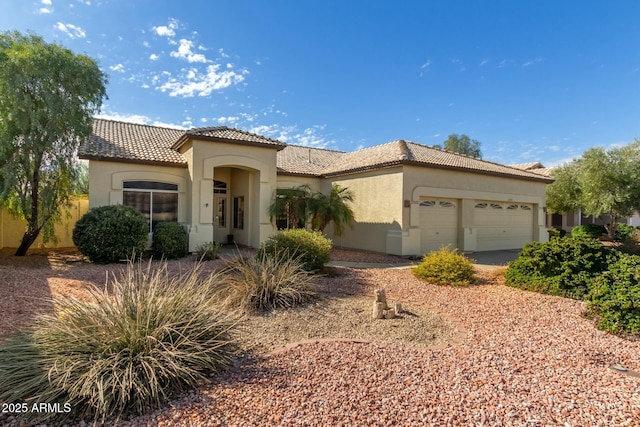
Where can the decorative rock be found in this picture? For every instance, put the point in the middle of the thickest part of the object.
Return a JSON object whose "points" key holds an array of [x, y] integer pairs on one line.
{"points": [[398, 307], [378, 310], [380, 296], [389, 314]]}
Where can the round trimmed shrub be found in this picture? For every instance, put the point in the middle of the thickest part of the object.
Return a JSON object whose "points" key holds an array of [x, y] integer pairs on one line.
{"points": [[446, 267], [624, 232], [615, 297], [311, 248], [170, 240], [556, 232], [564, 267], [111, 233]]}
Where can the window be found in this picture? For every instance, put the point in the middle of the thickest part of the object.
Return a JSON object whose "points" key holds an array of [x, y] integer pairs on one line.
{"points": [[525, 207], [429, 203], [512, 207], [447, 205], [481, 206], [221, 212], [496, 206], [157, 201], [219, 187], [238, 212]]}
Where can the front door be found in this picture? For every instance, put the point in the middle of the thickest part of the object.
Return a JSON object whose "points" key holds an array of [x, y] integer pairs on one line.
{"points": [[220, 218]]}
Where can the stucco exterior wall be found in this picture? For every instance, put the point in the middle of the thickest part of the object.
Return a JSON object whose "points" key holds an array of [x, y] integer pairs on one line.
{"points": [[467, 188], [377, 209], [258, 162]]}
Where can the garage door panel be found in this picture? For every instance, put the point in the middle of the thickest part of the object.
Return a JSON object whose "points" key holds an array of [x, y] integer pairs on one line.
{"points": [[438, 224], [503, 225]]}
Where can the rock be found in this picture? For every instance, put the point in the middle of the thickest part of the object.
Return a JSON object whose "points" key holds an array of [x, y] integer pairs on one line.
{"points": [[378, 309], [380, 296], [390, 313], [398, 307]]}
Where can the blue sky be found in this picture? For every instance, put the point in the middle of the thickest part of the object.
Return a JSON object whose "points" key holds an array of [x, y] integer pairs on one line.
{"points": [[531, 80]]}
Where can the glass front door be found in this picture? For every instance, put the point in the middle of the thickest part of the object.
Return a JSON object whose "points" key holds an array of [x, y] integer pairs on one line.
{"points": [[220, 219]]}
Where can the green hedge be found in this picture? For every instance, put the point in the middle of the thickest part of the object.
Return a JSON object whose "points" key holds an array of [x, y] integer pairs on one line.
{"points": [[615, 297], [446, 267], [170, 240], [589, 230], [564, 267], [111, 233], [312, 248]]}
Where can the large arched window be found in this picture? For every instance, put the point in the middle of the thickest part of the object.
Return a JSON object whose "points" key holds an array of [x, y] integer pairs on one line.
{"points": [[158, 201]]}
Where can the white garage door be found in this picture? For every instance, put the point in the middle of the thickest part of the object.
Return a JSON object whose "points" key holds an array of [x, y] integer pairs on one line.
{"points": [[503, 225], [438, 224]]}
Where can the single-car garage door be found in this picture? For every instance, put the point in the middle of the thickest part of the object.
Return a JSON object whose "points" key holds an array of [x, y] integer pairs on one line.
{"points": [[503, 225], [438, 224]]}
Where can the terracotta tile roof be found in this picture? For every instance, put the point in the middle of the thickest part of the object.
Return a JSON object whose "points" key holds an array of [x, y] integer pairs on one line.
{"points": [[300, 160], [132, 142], [155, 145], [229, 134], [411, 153]]}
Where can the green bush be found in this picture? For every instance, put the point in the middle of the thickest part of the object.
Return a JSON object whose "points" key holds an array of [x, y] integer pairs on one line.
{"points": [[624, 232], [564, 267], [111, 233], [170, 240], [208, 251], [588, 230], [631, 245], [615, 297], [264, 283], [312, 248], [556, 232], [446, 267], [153, 337]]}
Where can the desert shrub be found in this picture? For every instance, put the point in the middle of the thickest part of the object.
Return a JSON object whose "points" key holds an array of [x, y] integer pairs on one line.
{"points": [[446, 267], [208, 251], [564, 267], [170, 240], [312, 248], [153, 337], [556, 232], [615, 297], [631, 245], [111, 233], [254, 284], [624, 232], [588, 230]]}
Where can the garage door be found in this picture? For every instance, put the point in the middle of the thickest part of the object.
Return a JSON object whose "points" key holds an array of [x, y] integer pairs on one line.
{"points": [[503, 225], [438, 224]]}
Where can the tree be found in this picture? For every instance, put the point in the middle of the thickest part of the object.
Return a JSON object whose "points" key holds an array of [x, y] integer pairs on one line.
{"points": [[462, 144], [601, 182], [48, 96], [292, 203], [332, 207]]}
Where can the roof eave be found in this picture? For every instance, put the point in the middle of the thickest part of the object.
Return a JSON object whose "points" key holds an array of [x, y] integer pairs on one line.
{"points": [[136, 161], [187, 136], [479, 171]]}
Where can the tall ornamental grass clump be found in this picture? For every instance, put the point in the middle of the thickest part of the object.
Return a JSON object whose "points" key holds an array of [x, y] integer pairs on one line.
{"points": [[121, 352], [446, 267], [111, 233], [311, 248], [564, 267], [255, 284]]}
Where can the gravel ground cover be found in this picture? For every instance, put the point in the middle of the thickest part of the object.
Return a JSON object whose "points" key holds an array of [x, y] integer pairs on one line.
{"points": [[520, 359]]}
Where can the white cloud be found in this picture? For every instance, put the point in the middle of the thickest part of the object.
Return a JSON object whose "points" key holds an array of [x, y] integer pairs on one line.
{"points": [[119, 68], [139, 119], [167, 30], [154, 57], [532, 62], [227, 120], [45, 10], [46, 2], [184, 52], [483, 62], [222, 54], [71, 30], [310, 137], [195, 83], [146, 44]]}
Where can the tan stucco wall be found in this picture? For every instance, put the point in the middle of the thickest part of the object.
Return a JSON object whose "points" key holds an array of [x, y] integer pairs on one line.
{"points": [[288, 181], [467, 188], [259, 181], [377, 208], [12, 229]]}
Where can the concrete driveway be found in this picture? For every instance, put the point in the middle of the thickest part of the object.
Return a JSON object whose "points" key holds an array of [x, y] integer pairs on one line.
{"points": [[494, 258]]}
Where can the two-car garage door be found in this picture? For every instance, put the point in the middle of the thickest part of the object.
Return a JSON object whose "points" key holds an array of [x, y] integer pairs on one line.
{"points": [[497, 225]]}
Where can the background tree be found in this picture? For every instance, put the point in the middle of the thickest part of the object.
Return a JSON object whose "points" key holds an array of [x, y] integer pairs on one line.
{"points": [[462, 144], [48, 96], [601, 182], [332, 208]]}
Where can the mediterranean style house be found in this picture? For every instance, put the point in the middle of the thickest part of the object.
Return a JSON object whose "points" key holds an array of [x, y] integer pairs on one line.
{"points": [[218, 182]]}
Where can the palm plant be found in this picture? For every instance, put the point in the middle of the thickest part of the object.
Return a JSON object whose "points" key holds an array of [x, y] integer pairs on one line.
{"points": [[332, 207], [292, 204]]}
